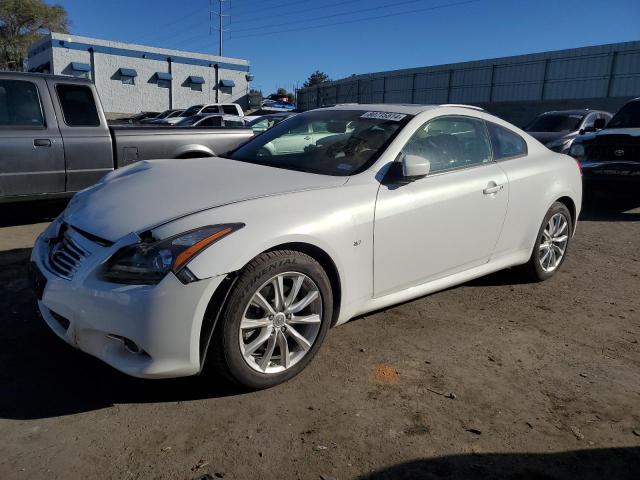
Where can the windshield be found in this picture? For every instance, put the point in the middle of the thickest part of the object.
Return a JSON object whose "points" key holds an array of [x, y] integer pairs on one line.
{"points": [[328, 142], [177, 113], [192, 110], [262, 124], [164, 114], [555, 123], [627, 117]]}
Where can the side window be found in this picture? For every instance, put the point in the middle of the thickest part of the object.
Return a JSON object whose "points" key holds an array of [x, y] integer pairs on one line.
{"points": [[211, 122], [213, 109], [451, 143], [78, 106], [20, 104], [230, 109], [299, 130], [320, 127], [506, 143]]}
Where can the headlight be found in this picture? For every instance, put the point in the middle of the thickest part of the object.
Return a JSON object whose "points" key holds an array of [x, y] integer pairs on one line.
{"points": [[149, 261], [577, 150]]}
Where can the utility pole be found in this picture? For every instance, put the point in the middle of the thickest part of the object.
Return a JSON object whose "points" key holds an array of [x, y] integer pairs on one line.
{"points": [[221, 15]]}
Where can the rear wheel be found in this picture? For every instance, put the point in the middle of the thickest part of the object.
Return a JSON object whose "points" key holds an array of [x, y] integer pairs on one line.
{"points": [[551, 244], [275, 319]]}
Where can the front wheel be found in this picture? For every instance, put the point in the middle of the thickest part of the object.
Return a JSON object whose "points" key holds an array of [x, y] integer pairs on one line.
{"points": [[551, 244], [275, 319]]}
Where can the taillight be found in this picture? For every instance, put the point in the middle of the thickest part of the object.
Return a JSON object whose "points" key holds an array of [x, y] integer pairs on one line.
{"points": [[579, 166]]}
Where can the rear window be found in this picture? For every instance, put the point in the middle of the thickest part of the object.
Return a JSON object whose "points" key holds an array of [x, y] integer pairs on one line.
{"points": [[20, 104], [505, 143], [78, 106]]}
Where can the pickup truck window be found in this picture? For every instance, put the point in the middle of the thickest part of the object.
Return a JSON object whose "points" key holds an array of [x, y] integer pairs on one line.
{"points": [[78, 106], [230, 109], [20, 104]]}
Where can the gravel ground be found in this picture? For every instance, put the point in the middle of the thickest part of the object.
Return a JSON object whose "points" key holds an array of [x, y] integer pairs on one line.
{"points": [[493, 379]]}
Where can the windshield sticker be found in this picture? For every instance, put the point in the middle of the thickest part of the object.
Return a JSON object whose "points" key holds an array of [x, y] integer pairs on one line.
{"points": [[396, 117], [344, 166]]}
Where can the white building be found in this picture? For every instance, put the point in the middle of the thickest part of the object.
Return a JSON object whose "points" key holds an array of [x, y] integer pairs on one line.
{"points": [[133, 78]]}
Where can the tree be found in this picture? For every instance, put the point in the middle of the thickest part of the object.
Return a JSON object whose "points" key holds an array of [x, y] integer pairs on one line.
{"points": [[316, 78], [23, 22]]}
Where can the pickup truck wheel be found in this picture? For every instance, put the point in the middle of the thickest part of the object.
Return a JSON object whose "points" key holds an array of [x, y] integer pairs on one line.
{"points": [[551, 245], [275, 319]]}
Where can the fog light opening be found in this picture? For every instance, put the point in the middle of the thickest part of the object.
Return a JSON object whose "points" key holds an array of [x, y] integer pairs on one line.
{"points": [[130, 345]]}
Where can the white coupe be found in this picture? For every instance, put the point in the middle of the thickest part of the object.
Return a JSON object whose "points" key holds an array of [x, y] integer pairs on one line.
{"points": [[248, 260]]}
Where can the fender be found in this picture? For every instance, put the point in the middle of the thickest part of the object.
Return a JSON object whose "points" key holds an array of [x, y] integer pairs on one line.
{"points": [[193, 148]]}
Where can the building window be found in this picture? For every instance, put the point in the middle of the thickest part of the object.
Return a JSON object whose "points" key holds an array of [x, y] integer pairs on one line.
{"points": [[163, 79], [127, 76], [196, 82], [80, 70]]}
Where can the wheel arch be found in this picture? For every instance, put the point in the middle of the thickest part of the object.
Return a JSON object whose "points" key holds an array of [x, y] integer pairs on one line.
{"points": [[221, 295], [571, 206]]}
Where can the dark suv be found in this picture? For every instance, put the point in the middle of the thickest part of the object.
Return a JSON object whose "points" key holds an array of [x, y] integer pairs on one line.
{"points": [[611, 156]]}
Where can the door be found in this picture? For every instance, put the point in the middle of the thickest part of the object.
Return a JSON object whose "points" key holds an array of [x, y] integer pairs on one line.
{"points": [[31, 149], [87, 140], [446, 222]]}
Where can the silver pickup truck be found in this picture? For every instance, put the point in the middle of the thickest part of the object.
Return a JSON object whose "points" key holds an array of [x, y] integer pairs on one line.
{"points": [[54, 138]]}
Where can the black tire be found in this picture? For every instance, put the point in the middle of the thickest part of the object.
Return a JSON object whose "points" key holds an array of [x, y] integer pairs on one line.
{"points": [[228, 357], [533, 270]]}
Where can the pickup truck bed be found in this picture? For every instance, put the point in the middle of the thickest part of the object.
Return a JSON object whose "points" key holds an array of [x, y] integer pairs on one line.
{"points": [[54, 138]]}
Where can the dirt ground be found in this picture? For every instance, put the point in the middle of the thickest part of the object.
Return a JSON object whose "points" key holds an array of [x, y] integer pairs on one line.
{"points": [[493, 379]]}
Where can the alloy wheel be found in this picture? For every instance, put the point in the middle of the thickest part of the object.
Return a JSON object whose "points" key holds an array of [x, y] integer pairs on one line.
{"points": [[281, 322], [553, 243]]}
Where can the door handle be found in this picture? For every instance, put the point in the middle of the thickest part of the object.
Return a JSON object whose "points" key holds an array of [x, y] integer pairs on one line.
{"points": [[492, 189], [42, 142]]}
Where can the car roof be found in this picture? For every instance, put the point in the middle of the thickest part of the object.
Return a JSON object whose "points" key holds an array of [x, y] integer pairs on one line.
{"points": [[383, 107], [577, 111]]}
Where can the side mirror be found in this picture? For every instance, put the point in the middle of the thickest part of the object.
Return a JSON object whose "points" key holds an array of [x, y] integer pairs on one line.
{"points": [[415, 166], [599, 124]]}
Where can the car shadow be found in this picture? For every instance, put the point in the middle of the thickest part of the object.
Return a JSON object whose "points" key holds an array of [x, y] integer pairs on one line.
{"points": [[43, 377], [603, 206], [27, 213], [592, 464]]}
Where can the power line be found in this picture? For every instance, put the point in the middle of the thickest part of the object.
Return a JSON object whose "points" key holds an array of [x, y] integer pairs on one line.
{"points": [[271, 7], [298, 12], [360, 10], [418, 10]]}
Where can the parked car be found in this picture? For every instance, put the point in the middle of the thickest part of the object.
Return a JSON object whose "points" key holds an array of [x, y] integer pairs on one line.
{"points": [[213, 120], [54, 138], [265, 122], [220, 108], [137, 118], [558, 129], [610, 157], [165, 121], [251, 259], [299, 137], [160, 116]]}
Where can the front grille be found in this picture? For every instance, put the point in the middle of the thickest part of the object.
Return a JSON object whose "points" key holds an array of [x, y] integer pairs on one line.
{"points": [[66, 255], [613, 152]]}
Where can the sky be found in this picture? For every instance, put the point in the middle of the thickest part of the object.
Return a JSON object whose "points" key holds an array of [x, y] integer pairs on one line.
{"points": [[285, 41]]}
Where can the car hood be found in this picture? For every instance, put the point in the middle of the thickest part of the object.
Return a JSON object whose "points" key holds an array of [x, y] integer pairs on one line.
{"points": [[153, 192]]}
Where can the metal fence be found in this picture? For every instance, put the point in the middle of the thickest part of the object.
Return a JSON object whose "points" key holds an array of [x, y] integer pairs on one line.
{"points": [[591, 72]]}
